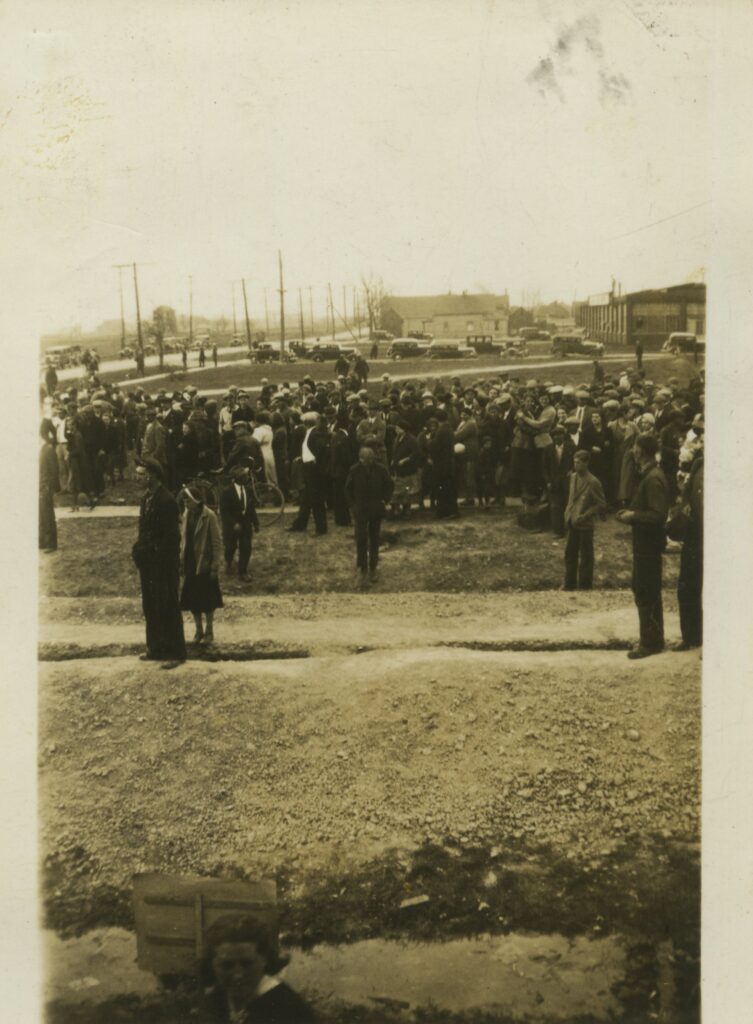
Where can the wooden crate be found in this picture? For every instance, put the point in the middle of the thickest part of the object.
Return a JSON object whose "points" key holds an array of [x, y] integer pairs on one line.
{"points": [[173, 913]]}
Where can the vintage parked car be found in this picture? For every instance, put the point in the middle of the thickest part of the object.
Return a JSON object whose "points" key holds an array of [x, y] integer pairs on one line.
{"points": [[381, 336], [420, 335], [450, 350], [575, 344], [322, 351], [484, 344], [407, 348], [127, 352], [684, 343], [270, 353]]}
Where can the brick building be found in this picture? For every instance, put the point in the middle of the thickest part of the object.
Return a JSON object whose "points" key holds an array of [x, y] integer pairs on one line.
{"points": [[650, 315], [446, 316]]}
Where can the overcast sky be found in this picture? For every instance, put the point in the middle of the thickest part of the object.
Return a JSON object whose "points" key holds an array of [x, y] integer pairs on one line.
{"points": [[514, 144]]}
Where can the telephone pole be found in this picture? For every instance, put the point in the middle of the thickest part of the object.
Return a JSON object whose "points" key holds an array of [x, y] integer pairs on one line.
{"points": [[119, 267], [356, 310], [190, 309], [311, 311], [138, 315], [331, 308], [281, 290], [345, 307], [235, 325], [245, 306], [300, 311], [266, 313]]}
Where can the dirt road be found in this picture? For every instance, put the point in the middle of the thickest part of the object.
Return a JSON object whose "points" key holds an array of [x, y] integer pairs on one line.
{"points": [[463, 748]]}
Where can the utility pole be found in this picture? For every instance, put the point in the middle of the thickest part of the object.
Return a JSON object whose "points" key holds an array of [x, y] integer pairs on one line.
{"points": [[311, 311], [190, 309], [266, 313], [356, 310], [138, 315], [281, 290], [345, 307], [300, 311], [120, 267], [235, 325], [331, 308], [245, 306]]}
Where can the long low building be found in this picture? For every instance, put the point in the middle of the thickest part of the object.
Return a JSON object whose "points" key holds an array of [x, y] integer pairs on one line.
{"points": [[446, 316], [649, 316]]}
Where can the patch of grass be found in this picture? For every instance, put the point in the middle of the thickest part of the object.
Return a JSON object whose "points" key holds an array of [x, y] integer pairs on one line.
{"points": [[481, 553]]}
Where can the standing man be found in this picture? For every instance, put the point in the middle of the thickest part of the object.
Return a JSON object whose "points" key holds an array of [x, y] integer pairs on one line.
{"points": [[184, 357], [239, 520], [647, 515], [214, 353], [368, 488], [639, 353], [154, 445], [585, 501], [558, 464], [202, 354], [341, 461], [690, 581], [315, 463], [157, 557]]}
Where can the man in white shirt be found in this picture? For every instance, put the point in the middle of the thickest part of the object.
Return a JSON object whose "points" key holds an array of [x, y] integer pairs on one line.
{"points": [[314, 456]]}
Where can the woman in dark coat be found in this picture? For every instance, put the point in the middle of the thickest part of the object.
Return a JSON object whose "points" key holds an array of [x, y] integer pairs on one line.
{"points": [[187, 454], [200, 563], [238, 977], [48, 487], [280, 452], [598, 440], [157, 557]]}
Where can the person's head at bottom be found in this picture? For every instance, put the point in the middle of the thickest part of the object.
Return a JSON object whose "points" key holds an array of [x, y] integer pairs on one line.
{"points": [[366, 456], [239, 974], [580, 462]]}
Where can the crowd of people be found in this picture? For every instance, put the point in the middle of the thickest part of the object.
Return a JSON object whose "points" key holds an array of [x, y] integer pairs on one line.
{"points": [[345, 451]]}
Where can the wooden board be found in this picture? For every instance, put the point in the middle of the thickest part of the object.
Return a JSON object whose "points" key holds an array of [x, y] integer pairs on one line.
{"points": [[173, 913]]}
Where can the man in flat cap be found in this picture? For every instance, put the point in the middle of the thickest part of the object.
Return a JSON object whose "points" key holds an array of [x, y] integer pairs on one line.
{"points": [[585, 501], [156, 554], [368, 488]]}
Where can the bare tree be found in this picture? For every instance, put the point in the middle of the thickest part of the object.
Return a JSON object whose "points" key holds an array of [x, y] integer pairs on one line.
{"points": [[163, 322], [375, 293]]}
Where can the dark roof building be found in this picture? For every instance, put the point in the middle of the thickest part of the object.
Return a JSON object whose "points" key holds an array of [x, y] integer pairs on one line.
{"points": [[650, 315], [446, 316]]}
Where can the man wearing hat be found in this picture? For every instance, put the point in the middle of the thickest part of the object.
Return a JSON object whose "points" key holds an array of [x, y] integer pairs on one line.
{"points": [[154, 444], [557, 466], [374, 429], [245, 448], [367, 489], [156, 554], [315, 464], [239, 520], [585, 501], [646, 517]]}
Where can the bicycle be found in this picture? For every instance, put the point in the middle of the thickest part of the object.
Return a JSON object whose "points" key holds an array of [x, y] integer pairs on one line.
{"points": [[269, 499]]}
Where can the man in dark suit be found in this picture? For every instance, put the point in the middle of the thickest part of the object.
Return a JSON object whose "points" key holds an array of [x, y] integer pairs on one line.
{"points": [[368, 488], [340, 462], [157, 557], [315, 464], [557, 466], [239, 520], [442, 460], [585, 501], [646, 516]]}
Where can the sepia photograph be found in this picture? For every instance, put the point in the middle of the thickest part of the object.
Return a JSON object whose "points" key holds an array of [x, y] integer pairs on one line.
{"points": [[369, 402]]}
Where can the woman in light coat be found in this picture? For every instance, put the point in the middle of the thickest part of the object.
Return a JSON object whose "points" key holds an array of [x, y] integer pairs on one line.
{"points": [[200, 562], [264, 434]]}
